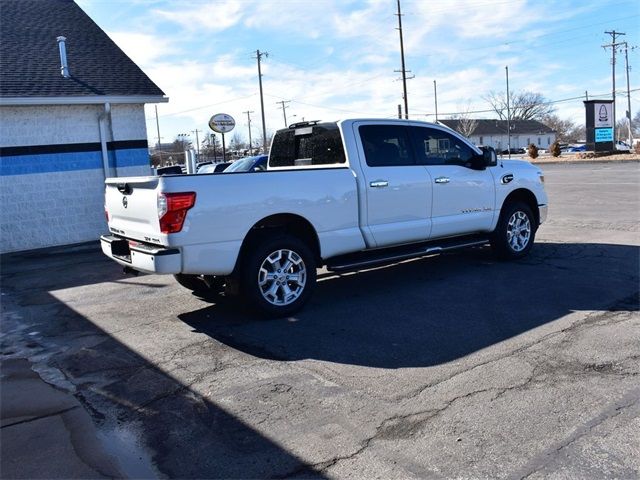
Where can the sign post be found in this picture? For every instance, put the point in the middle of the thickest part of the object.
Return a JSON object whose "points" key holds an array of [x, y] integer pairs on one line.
{"points": [[599, 124], [222, 123]]}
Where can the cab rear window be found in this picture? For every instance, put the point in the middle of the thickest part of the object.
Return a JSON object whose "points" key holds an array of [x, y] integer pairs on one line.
{"points": [[308, 145]]}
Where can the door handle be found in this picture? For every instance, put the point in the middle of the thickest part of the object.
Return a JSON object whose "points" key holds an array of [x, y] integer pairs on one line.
{"points": [[442, 180], [379, 184]]}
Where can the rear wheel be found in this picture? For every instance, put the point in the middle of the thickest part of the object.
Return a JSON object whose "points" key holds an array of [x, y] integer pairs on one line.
{"points": [[279, 275], [515, 232]]}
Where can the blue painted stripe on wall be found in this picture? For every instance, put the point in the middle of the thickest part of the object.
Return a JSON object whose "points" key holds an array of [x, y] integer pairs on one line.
{"points": [[66, 162]]}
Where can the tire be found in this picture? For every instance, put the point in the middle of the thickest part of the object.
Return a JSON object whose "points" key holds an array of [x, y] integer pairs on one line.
{"points": [[515, 233], [271, 289], [201, 285]]}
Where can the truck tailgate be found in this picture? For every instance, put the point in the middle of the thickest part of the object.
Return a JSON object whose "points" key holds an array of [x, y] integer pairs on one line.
{"points": [[132, 207]]}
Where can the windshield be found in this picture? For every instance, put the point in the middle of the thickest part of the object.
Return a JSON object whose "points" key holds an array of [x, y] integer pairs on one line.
{"points": [[242, 165]]}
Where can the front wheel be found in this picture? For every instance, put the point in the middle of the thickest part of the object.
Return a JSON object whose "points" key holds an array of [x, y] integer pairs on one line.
{"points": [[515, 232], [279, 275]]}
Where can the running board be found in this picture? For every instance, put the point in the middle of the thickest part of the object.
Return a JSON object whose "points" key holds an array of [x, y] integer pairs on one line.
{"points": [[378, 257]]}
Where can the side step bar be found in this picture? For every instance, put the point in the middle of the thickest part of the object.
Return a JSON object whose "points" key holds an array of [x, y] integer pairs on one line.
{"points": [[378, 257]]}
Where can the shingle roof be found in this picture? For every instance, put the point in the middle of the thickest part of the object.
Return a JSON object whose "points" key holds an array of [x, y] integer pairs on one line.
{"points": [[499, 127], [30, 61]]}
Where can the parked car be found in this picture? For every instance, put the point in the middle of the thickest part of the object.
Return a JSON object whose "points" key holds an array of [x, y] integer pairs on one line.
{"points": [[577, 148], [622, 146], [214, 167], [346, 195], [170, 170], [257, 163], [514, 151]]}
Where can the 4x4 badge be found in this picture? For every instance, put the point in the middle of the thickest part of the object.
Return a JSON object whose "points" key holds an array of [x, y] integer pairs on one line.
{"points": [[125, 202]]}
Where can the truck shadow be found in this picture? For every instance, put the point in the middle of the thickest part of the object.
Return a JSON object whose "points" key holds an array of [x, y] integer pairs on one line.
{"points": [[188, 435], [430, 311]]}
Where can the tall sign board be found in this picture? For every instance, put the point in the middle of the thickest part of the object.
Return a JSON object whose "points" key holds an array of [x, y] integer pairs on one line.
{"points": [[599, 123]]}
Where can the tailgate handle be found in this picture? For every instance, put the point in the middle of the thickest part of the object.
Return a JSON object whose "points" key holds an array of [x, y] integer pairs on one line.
{"points": [[125, 188]]}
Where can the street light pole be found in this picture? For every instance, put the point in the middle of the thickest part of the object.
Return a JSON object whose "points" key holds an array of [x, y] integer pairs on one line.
{"points": [[508, 115]]}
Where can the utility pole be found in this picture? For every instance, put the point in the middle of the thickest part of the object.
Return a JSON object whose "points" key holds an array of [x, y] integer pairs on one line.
{"points": [[508, 115], [158, 127], [435, 97], [249, 112], [613, 46], [258, 57], [284, 110], [403, 71], [399, 111], [626, 62], [197, 142]]}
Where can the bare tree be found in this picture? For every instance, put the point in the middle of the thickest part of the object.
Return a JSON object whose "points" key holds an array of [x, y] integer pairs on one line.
{"points": [[523, 105], [566, 130], [466, 125]]}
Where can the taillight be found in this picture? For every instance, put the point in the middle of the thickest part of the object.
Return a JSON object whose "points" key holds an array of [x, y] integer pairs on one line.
{"points": [[172, 210], [106, 213]]}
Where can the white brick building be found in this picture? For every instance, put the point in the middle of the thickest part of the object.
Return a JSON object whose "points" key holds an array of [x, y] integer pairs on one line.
{"points": [[60, 136]]}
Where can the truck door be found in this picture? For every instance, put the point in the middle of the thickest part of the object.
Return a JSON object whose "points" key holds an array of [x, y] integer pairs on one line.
{"points": [[463, 198], [398, 191]]}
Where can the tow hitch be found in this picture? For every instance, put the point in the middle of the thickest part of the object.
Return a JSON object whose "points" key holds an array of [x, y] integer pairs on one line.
{"points": [[130, 271]]}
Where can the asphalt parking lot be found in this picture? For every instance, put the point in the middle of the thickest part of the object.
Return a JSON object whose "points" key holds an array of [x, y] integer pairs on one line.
{"points": [[453, 366]]}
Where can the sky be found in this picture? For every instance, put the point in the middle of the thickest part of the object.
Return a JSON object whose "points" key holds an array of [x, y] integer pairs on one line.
{"points": [[333, 59]]}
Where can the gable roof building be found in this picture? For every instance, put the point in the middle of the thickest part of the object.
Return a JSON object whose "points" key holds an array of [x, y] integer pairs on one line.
{"points": [[493, 133], [30, 61], [72, 114]]}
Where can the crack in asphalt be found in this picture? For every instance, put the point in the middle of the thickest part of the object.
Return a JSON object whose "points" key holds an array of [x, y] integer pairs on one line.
{"points": [[588, 321], [544, 458], [40, 417]]}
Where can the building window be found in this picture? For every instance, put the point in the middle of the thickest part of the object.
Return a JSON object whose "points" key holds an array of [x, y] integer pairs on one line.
{"points": [[528, 140], [480, 140], [539, 143], [548, 140]]}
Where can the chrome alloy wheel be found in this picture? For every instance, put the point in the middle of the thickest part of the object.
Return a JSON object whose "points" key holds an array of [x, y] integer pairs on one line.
{"points": [[282, 277], [518, 231]]}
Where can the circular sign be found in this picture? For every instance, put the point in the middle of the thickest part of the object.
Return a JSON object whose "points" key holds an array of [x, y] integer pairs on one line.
{"points": [[222, 123]]}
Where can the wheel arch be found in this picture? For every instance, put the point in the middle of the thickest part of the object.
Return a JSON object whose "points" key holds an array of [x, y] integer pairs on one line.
{"points": [[528, 197], [289, 223]]}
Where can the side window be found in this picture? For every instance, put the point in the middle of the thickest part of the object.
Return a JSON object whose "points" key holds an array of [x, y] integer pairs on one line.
{"points": [[386, 145], [436, 147]]}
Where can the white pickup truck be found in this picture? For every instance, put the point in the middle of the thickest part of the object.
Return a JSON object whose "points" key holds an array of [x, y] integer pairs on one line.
{"points": [[346, 195]]}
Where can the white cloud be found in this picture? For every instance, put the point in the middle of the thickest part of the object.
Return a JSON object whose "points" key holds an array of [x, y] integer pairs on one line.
{"points": [[144, 48], [213, 16]]}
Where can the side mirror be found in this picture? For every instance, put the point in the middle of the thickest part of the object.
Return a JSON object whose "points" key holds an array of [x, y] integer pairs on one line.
{"points": [[490, 157], [477, 162]]}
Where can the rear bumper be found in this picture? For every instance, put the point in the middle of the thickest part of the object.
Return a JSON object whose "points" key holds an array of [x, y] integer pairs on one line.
{"points": [[142, 257]]}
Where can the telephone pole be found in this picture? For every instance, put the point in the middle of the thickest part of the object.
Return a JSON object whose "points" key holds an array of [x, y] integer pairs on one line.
{"points": [[403, 71], [197, 141], [284, 110], [626, 62], [613, 46], [508, 114], [435, 98], [249, 112], [258, 57]]}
